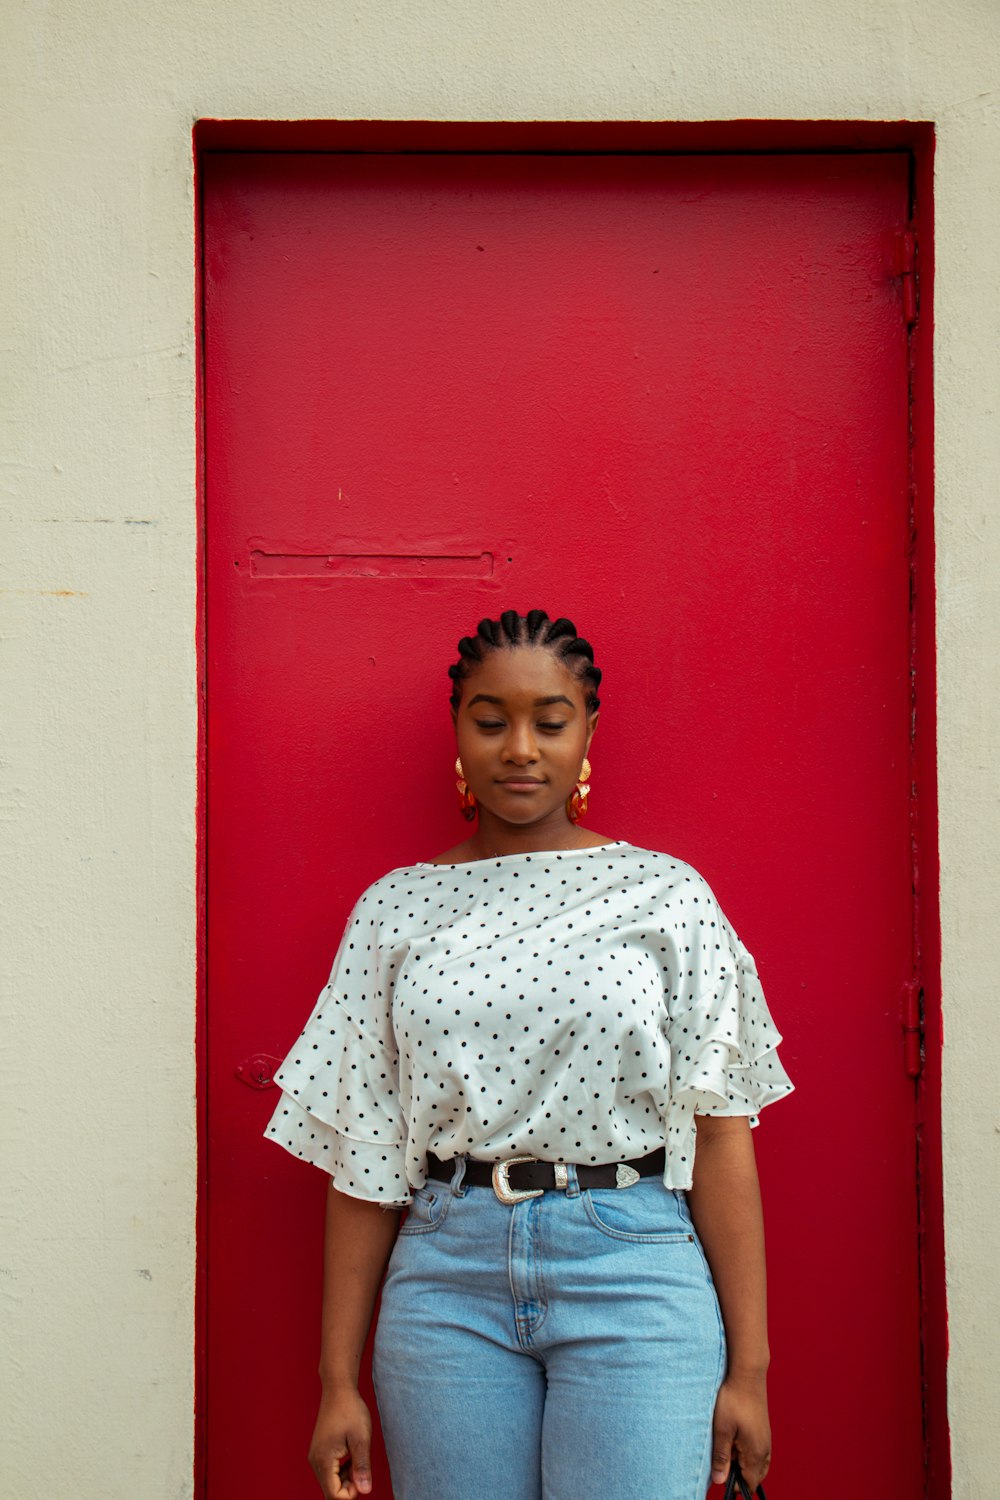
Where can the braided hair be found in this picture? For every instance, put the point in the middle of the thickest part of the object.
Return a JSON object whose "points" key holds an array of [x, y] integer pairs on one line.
{"points": [[533, 629]]}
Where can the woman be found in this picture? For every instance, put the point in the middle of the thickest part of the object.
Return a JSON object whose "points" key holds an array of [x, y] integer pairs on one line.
{"points": [[590, 1319]]}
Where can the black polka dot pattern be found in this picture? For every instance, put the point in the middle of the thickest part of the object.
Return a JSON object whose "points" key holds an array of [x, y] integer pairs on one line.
{"points": [[577, 1005]]}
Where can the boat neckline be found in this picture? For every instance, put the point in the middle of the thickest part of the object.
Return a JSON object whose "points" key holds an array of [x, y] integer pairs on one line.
{"points": [[496, 859]]}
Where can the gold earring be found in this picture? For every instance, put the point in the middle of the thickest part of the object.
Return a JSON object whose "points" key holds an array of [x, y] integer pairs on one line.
{"points": [[576, 802], [466, 798]]}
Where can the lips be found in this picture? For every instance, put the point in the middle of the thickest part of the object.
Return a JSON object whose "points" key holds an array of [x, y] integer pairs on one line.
{"points": [[521, 781]]}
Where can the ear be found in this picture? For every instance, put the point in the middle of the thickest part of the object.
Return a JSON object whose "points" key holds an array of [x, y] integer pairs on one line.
{"points": [[592, 725]]}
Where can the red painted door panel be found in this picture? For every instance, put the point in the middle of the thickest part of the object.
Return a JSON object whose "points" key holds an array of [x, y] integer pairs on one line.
{"points": [[664, 396]]}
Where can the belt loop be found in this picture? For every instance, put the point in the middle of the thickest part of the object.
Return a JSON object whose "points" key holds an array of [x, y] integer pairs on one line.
{"points": [[573, 1183], [458, 1176]]}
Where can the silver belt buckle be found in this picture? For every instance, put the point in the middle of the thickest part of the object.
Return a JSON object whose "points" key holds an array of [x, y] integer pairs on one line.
{"points": [[501, 1183]]}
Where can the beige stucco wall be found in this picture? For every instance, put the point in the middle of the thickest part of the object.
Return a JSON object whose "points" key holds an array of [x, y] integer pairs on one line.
{"points": [[97, 585]]}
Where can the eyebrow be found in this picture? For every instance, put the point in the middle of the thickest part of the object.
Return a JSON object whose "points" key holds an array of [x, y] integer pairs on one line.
{"points": [[539, 702]]}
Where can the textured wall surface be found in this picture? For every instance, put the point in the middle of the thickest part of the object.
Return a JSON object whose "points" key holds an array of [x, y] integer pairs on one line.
{"points": [[98, 595]]}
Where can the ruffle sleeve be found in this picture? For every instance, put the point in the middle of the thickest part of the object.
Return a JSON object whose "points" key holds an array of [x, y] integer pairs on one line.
{"points": [[724, 1057], [723, 1041], [339, 1106]]}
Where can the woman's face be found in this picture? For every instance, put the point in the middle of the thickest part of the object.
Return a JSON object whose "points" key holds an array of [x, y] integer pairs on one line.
{"points": [[522, 731]]}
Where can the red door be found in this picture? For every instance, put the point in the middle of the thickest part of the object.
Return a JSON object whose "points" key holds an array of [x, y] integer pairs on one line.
{"points": [[666, 396]]}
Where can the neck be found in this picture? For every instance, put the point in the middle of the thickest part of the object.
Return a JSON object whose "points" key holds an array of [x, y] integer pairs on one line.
{"points": [[493, 839]]}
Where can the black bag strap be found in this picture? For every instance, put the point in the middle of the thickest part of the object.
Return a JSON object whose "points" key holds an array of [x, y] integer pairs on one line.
{"points": [[737, 1487]]}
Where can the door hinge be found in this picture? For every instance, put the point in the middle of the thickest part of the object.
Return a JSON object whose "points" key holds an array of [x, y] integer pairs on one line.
{"points": [[904, 265], [913, 1032]]}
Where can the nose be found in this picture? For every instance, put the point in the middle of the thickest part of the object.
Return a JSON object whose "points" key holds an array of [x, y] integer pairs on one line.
{"points": [[520, 746]]}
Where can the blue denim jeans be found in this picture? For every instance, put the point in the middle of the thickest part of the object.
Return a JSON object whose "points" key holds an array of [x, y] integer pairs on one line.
{"points": [[567, 1347]]}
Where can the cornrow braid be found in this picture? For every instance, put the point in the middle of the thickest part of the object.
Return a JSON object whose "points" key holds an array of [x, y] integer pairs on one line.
{"points": [[533, 629]]}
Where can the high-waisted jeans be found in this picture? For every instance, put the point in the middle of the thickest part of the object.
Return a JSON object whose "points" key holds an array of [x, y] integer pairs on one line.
{"points": [[567, 1347]]}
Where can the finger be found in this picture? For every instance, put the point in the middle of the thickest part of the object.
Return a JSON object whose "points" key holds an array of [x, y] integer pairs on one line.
{"points": [[334, 1475], [343, 1487], [722, 1451], [754, 1462], [333, 1482], [361, 1466], [326, 1472]]}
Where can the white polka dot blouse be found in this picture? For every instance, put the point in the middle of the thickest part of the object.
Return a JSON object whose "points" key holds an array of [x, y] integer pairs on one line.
{"points": [[576, 1005]]}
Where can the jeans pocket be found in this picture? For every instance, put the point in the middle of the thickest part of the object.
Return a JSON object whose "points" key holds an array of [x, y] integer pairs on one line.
{"points": [[428, 1210], [647, 1211]]}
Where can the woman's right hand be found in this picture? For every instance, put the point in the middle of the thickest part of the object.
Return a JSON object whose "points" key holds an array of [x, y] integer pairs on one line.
{"points": [[340, 1451]]}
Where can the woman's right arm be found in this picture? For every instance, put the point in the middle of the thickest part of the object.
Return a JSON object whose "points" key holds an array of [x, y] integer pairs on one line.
{"points": [[359, 1238]]}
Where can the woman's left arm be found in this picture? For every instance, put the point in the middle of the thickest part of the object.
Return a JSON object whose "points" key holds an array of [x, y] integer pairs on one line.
{"points": [[726, 1208]]}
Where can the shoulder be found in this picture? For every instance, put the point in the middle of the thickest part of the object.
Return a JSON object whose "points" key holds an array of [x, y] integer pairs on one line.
{"points": [[670, 869], [388, 891], [673, 887]]}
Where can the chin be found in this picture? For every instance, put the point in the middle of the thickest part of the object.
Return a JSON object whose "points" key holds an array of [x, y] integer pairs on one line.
{"points": [[528, 818]]}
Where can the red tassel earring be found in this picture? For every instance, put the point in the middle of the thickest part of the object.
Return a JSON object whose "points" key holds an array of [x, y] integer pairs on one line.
{"points": [[466, 799], [576, 802]]}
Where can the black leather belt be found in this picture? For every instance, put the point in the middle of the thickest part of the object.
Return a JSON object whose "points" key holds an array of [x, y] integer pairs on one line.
{"points": [[520, 1177]]}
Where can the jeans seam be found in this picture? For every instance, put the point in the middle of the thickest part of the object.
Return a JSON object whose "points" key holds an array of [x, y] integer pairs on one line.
{"points": [[720, 1372], [543, 1284], [538, 1270], [704, 1261], [532, 1327]]}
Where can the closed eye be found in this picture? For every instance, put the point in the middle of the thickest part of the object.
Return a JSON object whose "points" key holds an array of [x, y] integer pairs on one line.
{"points": [[497, 724]]}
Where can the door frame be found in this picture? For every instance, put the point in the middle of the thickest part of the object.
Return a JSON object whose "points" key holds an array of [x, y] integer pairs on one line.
{"points": [[922, 1010]]}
